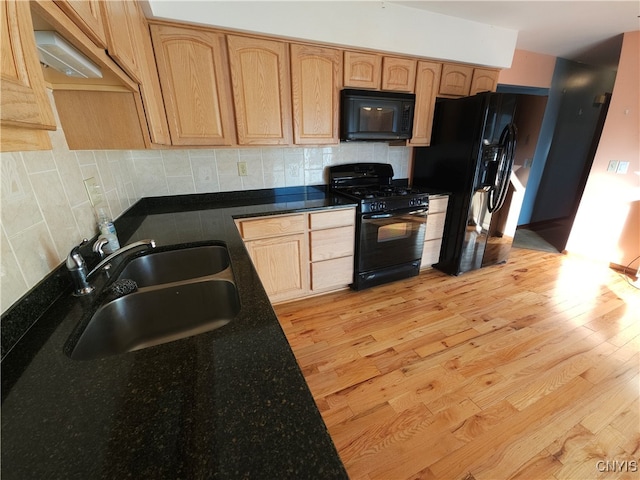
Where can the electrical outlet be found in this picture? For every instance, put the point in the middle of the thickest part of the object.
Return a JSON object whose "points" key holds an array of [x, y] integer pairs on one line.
{"points": [[623, 168], [613, 166], [242, 169], [94, 191]]}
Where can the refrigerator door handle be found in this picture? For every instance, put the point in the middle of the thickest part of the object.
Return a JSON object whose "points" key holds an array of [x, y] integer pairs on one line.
{"points": [[498, 193]]}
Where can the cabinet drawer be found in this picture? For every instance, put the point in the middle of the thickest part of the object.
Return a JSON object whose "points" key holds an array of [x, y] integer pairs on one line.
{"points": [[431, 252], [271, 226], [435, 225], [438, 204], [337, 272], [331, 218], [332, 243]]}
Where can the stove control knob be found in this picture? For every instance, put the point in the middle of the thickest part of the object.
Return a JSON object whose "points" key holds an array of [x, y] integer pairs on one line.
{"points": [[383, 205]]}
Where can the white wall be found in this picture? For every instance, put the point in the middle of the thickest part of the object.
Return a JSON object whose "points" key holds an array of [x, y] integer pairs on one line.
{"points": [[607, 225], [371, 24]]}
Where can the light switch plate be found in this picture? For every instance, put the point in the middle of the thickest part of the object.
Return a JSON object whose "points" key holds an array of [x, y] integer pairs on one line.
{"points": [[613, 166], [94, 191]]}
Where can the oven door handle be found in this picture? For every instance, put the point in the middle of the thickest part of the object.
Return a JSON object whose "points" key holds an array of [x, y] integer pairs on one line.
{"points": [[374, 216], [418, 212]]}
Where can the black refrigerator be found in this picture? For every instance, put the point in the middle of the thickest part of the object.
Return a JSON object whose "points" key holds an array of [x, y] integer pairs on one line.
{"points": [[471, 157]]}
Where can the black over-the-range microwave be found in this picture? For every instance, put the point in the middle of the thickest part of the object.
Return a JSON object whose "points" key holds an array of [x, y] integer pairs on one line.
{"points": [[371, 115]]}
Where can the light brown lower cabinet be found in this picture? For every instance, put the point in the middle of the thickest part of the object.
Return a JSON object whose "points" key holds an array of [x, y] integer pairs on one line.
{"points": [[435, 227], [331, 249], [302, 254], [280, 262], [331, 274]]}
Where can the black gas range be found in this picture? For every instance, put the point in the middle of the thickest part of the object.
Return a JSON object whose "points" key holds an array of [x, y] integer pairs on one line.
{"points": [[390, 226], [386, 198]]}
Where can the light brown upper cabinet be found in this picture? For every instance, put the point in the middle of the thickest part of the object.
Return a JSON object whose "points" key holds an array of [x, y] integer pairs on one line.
{"points": [[24, 102], [261, 90], [484, 80], [362, 70], [316, 80], [427, 85], [378, 72], [120, 24], [456, 80], [192, 65], [150, 90], [398, 74], [87, 15], [129, 44]]}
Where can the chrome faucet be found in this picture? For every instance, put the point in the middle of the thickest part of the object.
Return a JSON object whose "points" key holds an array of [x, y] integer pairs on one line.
{"points": [[78, 268]]}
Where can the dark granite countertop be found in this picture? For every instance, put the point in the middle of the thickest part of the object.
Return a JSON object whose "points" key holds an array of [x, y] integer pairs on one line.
{"points": [[231, 403]]}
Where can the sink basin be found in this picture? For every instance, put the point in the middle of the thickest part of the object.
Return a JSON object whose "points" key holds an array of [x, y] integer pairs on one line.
{"points": [[144, 319], [181, 292], [176, 265]]}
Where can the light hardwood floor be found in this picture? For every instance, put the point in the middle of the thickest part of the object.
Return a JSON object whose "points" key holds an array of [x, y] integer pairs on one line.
{"points": [[527, 370]]}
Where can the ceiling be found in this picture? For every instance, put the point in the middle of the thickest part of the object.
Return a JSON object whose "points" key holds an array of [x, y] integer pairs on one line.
{"points": [[583, 31]]}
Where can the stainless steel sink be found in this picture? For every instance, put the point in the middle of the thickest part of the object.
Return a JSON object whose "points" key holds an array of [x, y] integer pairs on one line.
{"points": [[181, 292]]}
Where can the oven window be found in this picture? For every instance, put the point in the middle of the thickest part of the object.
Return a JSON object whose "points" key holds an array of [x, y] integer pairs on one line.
{"points": [[393, 231], [376, 119]]}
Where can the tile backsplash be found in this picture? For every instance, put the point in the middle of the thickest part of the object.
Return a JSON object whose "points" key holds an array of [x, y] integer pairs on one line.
{"points": [[45, 208]]}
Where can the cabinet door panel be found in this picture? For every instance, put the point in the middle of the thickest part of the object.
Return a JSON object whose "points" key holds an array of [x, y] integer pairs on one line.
{"points": [[398, 74], [261, 90], [120, 27], [192, 69], [316, 79], [87, 15], [456, 80], [280, 264], [24, 101], [427, 85], [150, 89], [362, 70], [484, 80]]}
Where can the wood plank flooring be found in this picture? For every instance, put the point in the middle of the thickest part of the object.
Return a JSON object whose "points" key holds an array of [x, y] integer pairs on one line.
{"points": [[527, 370]]}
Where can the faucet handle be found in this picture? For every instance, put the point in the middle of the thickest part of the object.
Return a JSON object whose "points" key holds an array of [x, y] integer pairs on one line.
{"points": [[74, 259], [99, 245]]}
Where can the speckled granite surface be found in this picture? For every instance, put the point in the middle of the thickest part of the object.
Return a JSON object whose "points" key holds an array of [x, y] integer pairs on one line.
{"points": [[231, 403]]}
